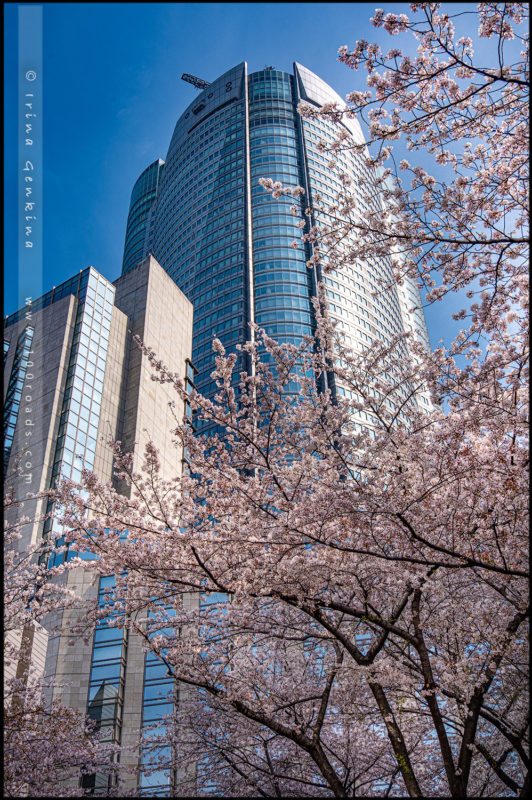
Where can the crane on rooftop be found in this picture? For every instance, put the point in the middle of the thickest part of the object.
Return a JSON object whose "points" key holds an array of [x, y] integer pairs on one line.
{"points": [[199, 83]]}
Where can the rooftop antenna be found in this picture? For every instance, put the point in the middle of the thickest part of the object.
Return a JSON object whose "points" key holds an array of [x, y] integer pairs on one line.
{"points": [[199, 83]]}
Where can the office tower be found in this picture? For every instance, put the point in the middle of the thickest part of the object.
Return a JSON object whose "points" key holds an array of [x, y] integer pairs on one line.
{"points": [[75, 379], [236, 252]]}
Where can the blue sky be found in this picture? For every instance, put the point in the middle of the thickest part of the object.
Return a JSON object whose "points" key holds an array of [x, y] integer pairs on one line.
{"points": [[112, 94]]}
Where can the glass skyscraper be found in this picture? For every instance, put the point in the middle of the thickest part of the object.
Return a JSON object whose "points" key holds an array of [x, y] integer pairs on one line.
{"points": [[237, 253]]}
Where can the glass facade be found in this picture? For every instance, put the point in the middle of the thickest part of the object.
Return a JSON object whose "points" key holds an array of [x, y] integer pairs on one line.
{"points": [[140, 219], [282, 282], [236, 252], [200, 221], [106, 686], [364, 311], [158, 702], [75, 446], [75, 441]]}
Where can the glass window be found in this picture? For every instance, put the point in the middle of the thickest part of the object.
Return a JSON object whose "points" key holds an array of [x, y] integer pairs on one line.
{"points": [[153, 691], [156, 670], [106, 634], [94, 689], [155, 779], [94, 419], [68, 457], [156, 711], [105, 671], [69, 443], [107, 651]]}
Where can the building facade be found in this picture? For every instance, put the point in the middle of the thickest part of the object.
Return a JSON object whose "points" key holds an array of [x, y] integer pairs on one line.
{"points": [[74, 381], [236, 252], [139, 227]]}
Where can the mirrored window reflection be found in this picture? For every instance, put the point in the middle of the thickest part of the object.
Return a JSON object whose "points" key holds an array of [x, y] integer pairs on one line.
{"points": [[158, 704], [106, 683]]}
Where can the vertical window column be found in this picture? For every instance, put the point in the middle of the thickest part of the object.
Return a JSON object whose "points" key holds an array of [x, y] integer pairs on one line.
{"points": [[106, 686], [158, 702], [80, 415]]}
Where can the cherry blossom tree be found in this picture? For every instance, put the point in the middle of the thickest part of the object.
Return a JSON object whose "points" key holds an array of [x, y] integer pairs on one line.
{"points": [[377, 590], [360, 616], [466, 225]]}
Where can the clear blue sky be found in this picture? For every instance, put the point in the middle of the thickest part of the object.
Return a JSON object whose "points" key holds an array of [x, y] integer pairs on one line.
{"points": [[112, 94]]}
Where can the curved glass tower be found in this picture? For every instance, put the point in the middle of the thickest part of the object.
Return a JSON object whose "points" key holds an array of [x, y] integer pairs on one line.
{"points": [[140, 220], [236, 252]]}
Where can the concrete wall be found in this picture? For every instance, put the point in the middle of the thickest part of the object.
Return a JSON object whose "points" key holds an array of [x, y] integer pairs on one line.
{"points": [[113, 394], [30, 643], [161, 315]]}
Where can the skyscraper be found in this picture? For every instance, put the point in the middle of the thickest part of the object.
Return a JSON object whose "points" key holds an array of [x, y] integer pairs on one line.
{"points": [[236, 252]]}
